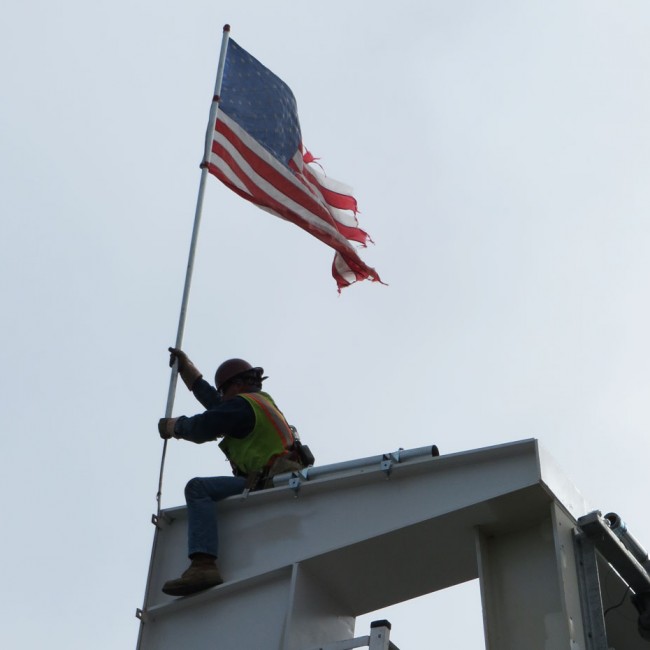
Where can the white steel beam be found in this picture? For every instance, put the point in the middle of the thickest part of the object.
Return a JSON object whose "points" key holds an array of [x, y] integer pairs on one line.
{"points": [[300, 565]]}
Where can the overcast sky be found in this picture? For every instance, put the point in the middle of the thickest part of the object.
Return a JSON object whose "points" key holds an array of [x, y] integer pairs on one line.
{"points": [[500, 154]]}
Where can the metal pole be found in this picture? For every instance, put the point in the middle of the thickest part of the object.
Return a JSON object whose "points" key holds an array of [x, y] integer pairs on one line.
{"points": [[309, 473], [173, 380]]}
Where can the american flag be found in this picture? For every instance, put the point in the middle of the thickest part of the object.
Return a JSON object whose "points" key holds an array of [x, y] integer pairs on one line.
{"points": [[257, 151]]}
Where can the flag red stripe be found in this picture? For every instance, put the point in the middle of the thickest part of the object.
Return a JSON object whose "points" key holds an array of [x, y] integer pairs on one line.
{"points": [[353, 233], [271, 175], [308, 199], [257, 196], [354, 262], [261, 198]]}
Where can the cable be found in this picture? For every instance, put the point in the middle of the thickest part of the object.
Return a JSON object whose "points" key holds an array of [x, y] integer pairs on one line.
{"points": [[609, 609]]}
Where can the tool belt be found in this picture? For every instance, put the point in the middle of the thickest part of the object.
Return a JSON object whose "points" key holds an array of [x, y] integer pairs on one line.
{"points": [[294, 459]]}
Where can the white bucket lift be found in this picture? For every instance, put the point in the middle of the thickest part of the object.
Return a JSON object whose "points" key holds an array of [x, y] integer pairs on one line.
{"points": [[302, 560]]}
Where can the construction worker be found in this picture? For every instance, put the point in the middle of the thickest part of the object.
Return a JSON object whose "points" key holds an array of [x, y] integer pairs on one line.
{"points": [[257, 440]]}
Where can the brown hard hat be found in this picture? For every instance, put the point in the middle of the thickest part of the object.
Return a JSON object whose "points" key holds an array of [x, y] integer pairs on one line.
{"points": [[231, 368]]}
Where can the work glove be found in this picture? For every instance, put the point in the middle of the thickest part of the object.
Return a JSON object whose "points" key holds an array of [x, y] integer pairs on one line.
{"points": [[186, 369], [166, 428]]}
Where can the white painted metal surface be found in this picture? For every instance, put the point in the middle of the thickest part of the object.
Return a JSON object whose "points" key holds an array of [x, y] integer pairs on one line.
{"points": [[302, 562]]}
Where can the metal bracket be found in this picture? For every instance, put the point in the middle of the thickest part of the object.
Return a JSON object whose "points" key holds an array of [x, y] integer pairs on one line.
{"points": [[386, 466], [396, 455], [390, 459], [294, 484], [141, 615], [157, 520]]}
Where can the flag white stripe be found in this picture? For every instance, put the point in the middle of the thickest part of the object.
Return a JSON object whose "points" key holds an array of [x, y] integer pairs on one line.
{"points": [[330, 183]]}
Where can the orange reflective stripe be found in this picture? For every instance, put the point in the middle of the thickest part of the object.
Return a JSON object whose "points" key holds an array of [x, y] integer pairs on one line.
{"points": [[275, 418]]}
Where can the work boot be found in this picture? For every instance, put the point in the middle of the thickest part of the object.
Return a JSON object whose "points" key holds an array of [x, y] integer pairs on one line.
{"points": [[201, 574]]}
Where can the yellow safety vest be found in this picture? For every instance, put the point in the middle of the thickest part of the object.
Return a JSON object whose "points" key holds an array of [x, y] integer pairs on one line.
{"points": [[271, 436]]}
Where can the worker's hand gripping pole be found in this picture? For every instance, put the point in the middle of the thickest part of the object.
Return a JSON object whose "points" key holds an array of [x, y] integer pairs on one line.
{"points": [[173, 380]]}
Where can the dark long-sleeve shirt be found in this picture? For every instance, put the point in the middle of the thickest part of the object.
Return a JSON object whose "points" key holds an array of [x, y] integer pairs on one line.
{"points": [[234, 417]]}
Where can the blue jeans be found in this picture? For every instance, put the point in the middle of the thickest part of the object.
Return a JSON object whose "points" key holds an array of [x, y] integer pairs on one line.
{"points": [[201, 494]]}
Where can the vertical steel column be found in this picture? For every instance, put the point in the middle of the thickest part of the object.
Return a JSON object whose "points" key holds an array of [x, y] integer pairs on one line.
{"points": [[529, 586], [590, 595]]}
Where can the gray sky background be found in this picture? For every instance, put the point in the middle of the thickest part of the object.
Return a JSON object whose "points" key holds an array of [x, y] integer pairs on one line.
{"points": [[500, 154]]}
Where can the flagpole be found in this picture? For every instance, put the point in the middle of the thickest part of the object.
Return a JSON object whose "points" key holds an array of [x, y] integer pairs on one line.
{"points": [[173, 380]]}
